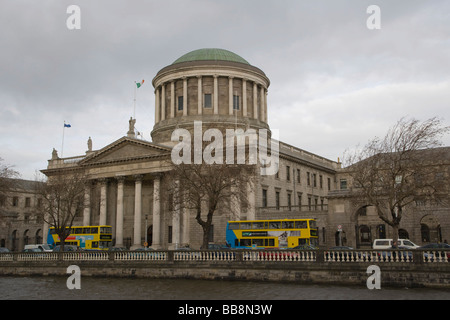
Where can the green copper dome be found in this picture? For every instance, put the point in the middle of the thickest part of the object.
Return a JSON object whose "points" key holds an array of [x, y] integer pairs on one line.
{"points": [[209, 54]]}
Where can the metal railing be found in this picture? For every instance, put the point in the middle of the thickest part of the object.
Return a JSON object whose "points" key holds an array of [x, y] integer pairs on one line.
{"points": [[320, 256]]}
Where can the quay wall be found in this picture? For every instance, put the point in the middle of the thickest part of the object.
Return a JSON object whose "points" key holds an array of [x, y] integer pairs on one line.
{"points": [[315, 271]]}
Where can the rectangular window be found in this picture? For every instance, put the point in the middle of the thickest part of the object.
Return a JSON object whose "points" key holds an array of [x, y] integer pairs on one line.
{"points": [[288, 173], [308, 179], [298, 175], [264, 199], [235, 102], [343, 184], [277, 200], [289, 200], [27, 202], [180, 103], [329, 184], [208, 100]]}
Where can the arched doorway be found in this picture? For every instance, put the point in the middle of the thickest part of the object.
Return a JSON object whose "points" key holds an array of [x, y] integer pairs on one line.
{"points": [[430, 229], [26, 237], [38, 237], [14, 241], [365, 237]]}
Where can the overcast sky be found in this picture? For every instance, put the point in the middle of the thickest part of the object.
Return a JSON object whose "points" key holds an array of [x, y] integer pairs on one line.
{"points": [[334, 82]]}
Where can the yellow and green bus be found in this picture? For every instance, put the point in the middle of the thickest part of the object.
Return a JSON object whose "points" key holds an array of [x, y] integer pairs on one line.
{"points": [[85, 237], [283, 233]]}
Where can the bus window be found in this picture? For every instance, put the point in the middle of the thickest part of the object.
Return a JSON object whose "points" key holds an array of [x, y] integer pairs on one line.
{"points": [[287, 225], [77, 230], [312, 224], [246, 225], [94, 230], [233, 226], [274, 224], [86, 230], [258, 225], [269, 242], [301, 224], [302, 242], [94, 244], [246, 242], [258, 242]]}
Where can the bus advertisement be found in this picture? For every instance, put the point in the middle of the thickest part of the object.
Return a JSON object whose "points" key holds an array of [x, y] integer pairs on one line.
{"points": [[85, 237], [260, 234]]}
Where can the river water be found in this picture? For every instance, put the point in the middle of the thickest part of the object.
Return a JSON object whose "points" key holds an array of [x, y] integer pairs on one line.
{"points": [[55, 288]]}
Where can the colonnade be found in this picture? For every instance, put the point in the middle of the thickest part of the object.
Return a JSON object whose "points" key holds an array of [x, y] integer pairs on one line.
{"points": [[259, 109], [120, 207]]}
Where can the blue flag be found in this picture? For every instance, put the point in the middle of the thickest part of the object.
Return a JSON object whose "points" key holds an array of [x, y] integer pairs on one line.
{"points": [[66, 125]]}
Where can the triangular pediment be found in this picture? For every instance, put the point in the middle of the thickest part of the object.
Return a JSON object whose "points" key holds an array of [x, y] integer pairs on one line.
{"points": [[126, 149]]}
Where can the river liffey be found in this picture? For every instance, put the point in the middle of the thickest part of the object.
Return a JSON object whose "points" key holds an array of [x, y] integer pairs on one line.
{"points": [[55, 288]]}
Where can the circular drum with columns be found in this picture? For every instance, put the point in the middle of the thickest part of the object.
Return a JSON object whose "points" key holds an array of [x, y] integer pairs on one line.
{"points": [[214, 86]]}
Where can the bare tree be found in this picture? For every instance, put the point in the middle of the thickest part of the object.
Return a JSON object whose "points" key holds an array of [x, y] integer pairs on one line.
{"points": [[7, 178], [403, 167], [207, 187], [62, 201]]}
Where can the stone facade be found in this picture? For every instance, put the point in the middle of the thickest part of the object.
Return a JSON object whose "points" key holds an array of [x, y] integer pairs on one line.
{"points": [[128, 180], [19, 223]]}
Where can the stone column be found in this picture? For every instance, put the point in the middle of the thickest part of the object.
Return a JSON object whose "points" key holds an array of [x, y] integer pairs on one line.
{"points": [[265, 107], [163, 102], [199, 95], [172, 99], [156, 241], [262, 103], [185, 231], [216, 94], [255, 100], [119, 215], [244, 97], [185, 97], [87, 204], [230, 96], [103, 201], [137, 211], [176, 218], [157, 102]]}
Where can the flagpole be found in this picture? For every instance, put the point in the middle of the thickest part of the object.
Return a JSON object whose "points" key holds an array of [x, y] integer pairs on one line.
{"points": [[134, 110], [62, 145]]}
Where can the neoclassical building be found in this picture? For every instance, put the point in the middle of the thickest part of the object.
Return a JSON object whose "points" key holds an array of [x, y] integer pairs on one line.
{"points": [[128, 177], [222, 90]]}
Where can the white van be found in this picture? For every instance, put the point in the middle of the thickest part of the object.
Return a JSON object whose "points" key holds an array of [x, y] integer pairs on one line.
{"points": [[387, 244], [42, 247]]}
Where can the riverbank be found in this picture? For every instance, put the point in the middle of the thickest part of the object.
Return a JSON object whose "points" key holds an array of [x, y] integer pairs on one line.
{"points": [[314, 268]]}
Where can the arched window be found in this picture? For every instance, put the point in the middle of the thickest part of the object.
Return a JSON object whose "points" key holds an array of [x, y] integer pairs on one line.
{"points": [[403, 234]]}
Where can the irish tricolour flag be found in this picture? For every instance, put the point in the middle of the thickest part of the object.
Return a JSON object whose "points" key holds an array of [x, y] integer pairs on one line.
{"points": [[139, 84]]}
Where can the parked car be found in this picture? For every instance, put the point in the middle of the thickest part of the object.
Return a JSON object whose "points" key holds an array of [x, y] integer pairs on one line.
{"points": [[4, 250], [33, 250], [388, 244], [42, 247], [66, 248]]}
